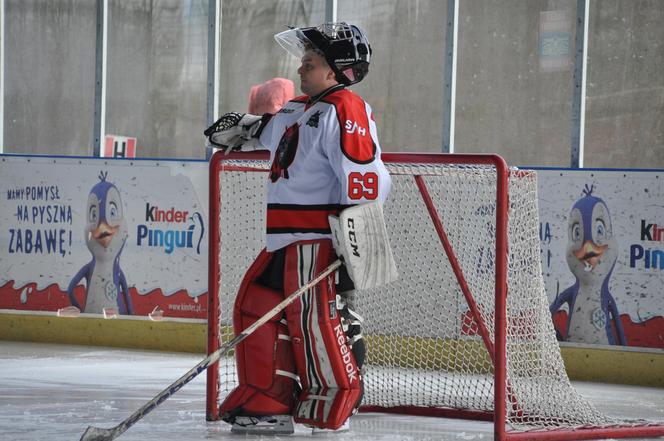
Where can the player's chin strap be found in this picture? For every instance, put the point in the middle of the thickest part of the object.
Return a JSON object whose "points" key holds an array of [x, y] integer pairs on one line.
{"points": [[360, 238]]}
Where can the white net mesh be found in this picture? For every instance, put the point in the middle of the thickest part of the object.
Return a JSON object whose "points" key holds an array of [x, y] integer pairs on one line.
{"points": [[424, 348]]}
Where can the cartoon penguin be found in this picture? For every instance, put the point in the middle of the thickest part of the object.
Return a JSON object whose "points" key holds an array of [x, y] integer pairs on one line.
{"points": [[591, 254], [105, 235]]}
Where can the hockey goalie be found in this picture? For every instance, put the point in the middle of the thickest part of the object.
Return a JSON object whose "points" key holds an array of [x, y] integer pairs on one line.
{"points": [[324, 193]]}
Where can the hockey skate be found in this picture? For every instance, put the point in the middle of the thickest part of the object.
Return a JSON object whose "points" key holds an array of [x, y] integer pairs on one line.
{"points": [[345, 427], [263, 425]]}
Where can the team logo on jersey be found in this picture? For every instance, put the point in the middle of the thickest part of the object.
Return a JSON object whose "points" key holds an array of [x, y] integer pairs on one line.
{"points": [[285, 153], [353, 127], [313, 121]]}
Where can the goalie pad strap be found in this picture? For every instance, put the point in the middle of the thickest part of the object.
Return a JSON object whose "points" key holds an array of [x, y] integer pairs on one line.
{"points": [[352, 324], [333, 406]]}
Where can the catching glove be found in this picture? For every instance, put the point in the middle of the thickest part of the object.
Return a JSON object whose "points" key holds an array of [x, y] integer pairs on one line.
{"points": [[235, 132]]}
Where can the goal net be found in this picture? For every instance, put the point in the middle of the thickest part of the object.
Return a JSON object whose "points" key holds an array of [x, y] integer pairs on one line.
{"points": [[465, 330]]}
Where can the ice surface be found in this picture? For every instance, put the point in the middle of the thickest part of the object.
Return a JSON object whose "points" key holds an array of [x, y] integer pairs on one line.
{"points": [[54, 392]]}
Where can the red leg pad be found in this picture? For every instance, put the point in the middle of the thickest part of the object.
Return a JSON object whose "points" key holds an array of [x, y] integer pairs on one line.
{"points": [[264, 356], [247, 400], [323, 357]]}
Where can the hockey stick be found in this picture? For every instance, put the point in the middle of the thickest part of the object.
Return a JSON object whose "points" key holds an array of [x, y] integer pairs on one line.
{"points": [[98, 434]]}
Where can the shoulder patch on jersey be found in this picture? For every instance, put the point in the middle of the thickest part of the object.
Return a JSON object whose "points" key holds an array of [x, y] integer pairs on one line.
{"points": [[314, 119], [356, 141]]}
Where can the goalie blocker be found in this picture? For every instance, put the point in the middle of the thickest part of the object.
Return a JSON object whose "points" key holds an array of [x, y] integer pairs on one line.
{"points": [[360, 238], [312, 342]]}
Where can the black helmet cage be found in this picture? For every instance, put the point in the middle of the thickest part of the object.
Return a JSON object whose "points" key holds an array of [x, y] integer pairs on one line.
{"points": [[345, 48]]}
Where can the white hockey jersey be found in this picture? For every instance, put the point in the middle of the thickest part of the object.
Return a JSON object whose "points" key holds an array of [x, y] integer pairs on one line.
{"points": [[325, 156]]}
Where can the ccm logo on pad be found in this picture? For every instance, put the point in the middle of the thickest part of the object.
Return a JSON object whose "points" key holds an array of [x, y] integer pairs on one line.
{"points": [[351, 237], [352, 127]]}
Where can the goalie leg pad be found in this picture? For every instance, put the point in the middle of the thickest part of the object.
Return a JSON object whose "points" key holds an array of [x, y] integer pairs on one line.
{"points": [[323, 356], [265, 364]]}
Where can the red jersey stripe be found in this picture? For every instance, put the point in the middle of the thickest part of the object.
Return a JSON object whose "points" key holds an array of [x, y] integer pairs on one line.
{"points": [[300, 219]]}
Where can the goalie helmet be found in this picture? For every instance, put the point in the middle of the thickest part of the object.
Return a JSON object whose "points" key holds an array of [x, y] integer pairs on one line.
{"points": [[345, 48]]}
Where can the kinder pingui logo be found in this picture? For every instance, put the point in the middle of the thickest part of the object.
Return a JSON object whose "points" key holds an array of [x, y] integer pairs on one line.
{"points": [[646, 257], [170, 229], [651, 232]]}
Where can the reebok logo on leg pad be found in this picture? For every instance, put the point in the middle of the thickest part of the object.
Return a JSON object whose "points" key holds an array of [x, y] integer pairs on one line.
{"points": [[351, 372]]}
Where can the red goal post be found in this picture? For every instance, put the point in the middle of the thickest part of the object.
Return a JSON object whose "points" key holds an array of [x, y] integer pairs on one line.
{"points": [[465, 331]]}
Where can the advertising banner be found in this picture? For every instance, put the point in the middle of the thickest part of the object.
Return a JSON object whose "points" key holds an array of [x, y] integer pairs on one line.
{"points": [[602, 254], [130, 237], [104, 235]]}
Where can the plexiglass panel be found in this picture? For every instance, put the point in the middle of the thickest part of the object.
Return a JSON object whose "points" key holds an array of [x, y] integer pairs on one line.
{"points": [[514, 80], [157, 75], [625, 90], [49, 76], [406, 78], [249, 53]]}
